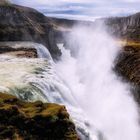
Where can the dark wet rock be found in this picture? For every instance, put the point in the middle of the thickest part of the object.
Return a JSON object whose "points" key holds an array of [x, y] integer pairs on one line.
{"points": [[128, 66], [34, 121]]}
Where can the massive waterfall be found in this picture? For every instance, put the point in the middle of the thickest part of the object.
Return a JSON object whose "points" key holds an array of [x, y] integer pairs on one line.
{"points": [[33, 79], [83, 80], [86, 66]]}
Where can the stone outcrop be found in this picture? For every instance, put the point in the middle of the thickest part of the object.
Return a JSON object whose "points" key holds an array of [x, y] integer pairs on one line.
{"points": [[20, 120]]}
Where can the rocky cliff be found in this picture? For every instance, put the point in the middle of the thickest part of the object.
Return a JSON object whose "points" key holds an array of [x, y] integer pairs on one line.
{"points": [[125, 27], [18, 23], [128, 67]]}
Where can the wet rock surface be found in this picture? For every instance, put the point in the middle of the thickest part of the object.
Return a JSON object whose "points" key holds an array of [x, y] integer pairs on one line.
{"points": [[128, 66]]}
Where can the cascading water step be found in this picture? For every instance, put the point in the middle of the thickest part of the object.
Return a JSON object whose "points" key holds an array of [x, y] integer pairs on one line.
{"points": [[35, 78]]}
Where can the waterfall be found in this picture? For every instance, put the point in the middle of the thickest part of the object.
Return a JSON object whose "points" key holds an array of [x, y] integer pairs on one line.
{"points": [[86, 65], [99, 103], [33, 79]]}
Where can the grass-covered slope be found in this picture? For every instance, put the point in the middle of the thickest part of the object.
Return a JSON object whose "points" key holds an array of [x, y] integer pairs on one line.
{"points": [[20, 120]]}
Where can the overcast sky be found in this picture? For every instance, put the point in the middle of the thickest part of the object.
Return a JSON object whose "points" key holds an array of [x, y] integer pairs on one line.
{"points": [[83, 9]]}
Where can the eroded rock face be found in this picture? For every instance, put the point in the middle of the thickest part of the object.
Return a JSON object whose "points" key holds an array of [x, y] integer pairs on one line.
{"points": [[18, 23], [34, 121], [125, 27], [128, 66]]}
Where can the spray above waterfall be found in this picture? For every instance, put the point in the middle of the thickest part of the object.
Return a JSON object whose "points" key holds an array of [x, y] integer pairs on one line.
{"points": [[87, 67]]}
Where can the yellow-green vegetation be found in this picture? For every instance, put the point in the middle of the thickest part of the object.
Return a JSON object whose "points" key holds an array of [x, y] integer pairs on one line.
{"points": [[129, 43], [133, 43], [34, 121]]}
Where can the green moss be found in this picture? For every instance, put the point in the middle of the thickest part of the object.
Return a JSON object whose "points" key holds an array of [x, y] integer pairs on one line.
{"points": [[34, 121]]}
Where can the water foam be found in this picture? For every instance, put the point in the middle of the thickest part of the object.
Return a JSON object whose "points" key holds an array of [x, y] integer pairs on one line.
{"points": [[105, 99]]}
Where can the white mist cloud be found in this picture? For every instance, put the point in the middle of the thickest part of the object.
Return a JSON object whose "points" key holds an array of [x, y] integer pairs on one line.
{"points": [[105, 99]]}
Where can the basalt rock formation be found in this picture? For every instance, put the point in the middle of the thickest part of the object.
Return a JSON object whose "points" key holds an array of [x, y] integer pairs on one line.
{"points": [[20, 120], [127, 28]]}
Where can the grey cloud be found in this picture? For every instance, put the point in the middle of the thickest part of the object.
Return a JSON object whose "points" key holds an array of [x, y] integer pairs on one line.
{"points": [[92, 8]]}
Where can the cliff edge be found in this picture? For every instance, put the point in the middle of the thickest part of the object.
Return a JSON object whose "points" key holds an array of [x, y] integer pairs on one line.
{"points": [[21, 120]]}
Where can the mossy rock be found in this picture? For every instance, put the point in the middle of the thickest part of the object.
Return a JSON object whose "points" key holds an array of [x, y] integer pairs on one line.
{"points": [[34, 121]]}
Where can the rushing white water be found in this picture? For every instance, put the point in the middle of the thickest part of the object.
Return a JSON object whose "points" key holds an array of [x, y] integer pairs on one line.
{"points": [[105, 99], [36, 79], [86, 84]]}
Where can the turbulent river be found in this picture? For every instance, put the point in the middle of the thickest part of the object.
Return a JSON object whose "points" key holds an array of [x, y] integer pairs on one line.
{"points": [[83, 80]]}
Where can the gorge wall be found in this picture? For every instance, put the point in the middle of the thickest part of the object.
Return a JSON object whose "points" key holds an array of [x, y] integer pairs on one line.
{"points": [[125, 27], [20, 23]]}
